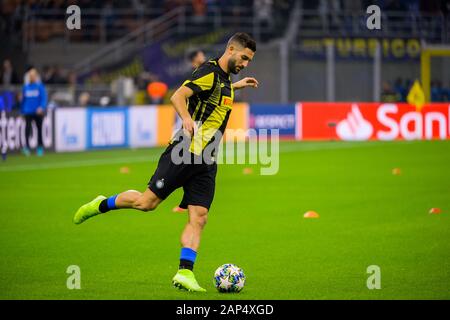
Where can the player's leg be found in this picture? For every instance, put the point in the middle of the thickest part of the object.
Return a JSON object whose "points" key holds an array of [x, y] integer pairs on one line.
{"points": [[28, 124], [198, 196], [165, 180], [198, 216], [190, 242], [131, 199], [38, 119]]}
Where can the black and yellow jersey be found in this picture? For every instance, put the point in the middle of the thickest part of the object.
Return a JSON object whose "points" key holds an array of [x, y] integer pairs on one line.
{"points": [[210, 105]]}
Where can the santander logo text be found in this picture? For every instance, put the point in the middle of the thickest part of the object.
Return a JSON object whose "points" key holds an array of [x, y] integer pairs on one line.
{"points": [[412, 125], [360, 121], [354, 127]]}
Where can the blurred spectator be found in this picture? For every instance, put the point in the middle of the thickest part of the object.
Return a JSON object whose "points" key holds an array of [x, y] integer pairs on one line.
{"points": [[447, 93], [48, 73], [438, 93], [263, 16], [54, 75], [59, 76], [197, 58], [408, 84], [199, 7], [8, 75], [156, 91], [26, 76], [34, 104], [281, 9], [109, 17], [84, 99], [400, 89], [388, 94], [123, 89]]}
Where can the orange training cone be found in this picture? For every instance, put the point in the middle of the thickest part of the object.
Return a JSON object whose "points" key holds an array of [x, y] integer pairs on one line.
{"points": [[178, 209], [124, 170], [435, 211], [311, 214], [396, 171]]}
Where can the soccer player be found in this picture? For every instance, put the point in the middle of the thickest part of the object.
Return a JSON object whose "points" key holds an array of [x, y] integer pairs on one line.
{"points": [[33, 108], [197, 58], [204, 103]]}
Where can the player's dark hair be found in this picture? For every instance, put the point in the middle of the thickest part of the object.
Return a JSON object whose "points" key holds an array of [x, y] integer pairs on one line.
{"points": [[193, 54], [244, 40]]}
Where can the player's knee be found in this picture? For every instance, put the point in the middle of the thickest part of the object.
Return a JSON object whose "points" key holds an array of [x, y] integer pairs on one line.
{"points": [[203, 220], [200, 216]]}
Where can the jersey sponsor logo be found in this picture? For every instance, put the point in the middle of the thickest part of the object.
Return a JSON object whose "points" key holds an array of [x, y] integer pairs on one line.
{"points": [[227, 101], [31, 93]]}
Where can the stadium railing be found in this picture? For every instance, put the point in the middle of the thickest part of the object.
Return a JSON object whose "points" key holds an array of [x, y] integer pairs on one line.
{"points": [[102, 25], [63, 95], [431, 27]]}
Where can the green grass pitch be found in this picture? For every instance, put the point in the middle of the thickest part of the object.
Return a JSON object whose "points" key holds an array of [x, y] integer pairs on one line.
{"points": [[368, 216]]}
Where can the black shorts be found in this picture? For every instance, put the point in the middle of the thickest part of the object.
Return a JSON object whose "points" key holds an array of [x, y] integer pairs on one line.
{"points": [[198, 180]]}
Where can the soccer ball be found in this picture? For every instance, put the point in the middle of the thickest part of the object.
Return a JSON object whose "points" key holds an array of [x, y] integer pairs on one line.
{"points": [[229, 278]]}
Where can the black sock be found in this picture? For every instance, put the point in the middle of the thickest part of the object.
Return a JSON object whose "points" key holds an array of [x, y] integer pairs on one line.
{"points": [[103, 207], [108, 204], [186, 264]]}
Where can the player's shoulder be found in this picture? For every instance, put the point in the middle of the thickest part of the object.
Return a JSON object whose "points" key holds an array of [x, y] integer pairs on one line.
{"points": [[206, 68]]}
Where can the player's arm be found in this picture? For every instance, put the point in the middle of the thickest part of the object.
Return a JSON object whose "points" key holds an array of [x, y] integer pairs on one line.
{"points": [[246, 82], [43, 100], [178, 100], [202, 79]]}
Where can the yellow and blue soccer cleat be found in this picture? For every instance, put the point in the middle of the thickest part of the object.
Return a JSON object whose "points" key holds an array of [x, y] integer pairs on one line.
{"points": [[88, 210]]}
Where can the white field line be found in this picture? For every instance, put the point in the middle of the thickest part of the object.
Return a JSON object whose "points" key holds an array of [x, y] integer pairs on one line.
{"points": [[154, 158], [79, 163]]}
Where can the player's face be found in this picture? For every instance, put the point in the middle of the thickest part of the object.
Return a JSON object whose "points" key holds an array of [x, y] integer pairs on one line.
{"points": [[33, 76], [239, 59]]}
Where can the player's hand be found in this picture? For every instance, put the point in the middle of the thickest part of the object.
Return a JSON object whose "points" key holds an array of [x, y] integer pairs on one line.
{"points": [[246, 82], [40, 111], [189, 126]]}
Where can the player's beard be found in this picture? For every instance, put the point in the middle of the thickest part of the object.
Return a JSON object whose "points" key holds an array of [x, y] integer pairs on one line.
{"points": [[232, 66]]}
